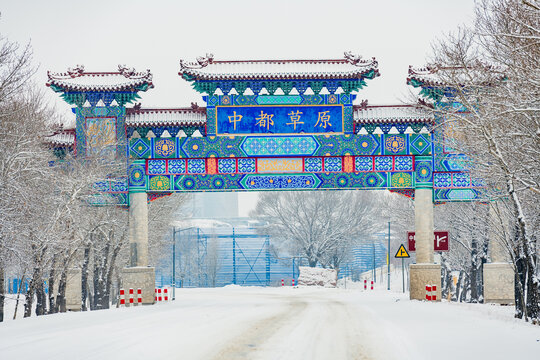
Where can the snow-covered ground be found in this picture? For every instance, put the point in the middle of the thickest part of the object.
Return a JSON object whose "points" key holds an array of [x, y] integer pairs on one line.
{"points": [[277, 323]]}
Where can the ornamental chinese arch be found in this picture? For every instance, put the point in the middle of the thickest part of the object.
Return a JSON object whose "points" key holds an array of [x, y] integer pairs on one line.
{"points": [[267, 125]]}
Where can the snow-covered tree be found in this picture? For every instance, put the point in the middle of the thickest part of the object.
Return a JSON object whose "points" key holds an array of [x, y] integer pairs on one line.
{"points": [[320, 226], [491, 110]]}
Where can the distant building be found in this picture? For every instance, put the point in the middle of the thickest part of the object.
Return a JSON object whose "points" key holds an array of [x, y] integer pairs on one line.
{"points": [[214, 205]]}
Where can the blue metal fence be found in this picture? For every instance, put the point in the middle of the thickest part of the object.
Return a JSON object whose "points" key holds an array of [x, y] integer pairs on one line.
{"points": [[243, 257]]}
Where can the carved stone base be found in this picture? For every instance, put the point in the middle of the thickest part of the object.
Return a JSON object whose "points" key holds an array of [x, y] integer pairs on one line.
{"points": [[74, 290], [143, 278], [499, 281], [422, 275]]}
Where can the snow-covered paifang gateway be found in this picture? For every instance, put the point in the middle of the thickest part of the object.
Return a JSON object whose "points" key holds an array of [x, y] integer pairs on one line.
{"points": [[267, 125]]}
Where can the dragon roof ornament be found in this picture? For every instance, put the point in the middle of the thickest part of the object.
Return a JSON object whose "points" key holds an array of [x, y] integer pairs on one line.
{"points": [[202, 61]]}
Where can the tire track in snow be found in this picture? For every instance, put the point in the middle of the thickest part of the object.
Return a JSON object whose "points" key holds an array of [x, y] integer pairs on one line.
{"points": [[243, 346], [311, 327]]}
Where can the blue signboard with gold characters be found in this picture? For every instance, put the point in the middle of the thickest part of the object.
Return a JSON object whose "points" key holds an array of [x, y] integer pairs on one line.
{"points": [[284, 119]]}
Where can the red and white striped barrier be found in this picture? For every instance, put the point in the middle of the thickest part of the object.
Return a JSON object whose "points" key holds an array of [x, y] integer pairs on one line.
{"points": [[130, 300], [431, 292], [371, 284], [365, 284], [292, 282], [282, 282], [122, 297], [161, 294]]}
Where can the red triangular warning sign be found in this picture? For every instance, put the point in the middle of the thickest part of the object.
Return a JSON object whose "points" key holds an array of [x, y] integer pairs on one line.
{"points": [[402, 253]]}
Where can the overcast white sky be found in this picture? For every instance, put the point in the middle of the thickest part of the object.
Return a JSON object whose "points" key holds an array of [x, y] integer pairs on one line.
{"points": [[156, 34]]}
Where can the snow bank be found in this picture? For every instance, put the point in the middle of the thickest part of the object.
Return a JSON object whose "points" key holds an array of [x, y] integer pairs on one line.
{"points": [[317, 277]]}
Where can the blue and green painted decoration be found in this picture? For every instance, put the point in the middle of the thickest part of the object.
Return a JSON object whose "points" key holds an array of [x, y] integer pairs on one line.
{"points": [[268, 142]]}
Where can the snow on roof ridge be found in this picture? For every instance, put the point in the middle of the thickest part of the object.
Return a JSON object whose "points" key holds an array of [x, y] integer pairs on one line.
{"points": [[207, 67], [61, 138], [77, 79], [391, 113]]}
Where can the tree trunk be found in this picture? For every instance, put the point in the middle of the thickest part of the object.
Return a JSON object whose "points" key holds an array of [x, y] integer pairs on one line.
{"points": [[84, 279], [466, 287], [36, 278], [533, 296], [2, 295], [52, 304], [91, 297], [100, 261], [61, 296], [519, 288], [474, 269], [110, 271], [446, 286], [483, 258], [29, 298], [41, 307], [19, 290], [104, 277], [459, 286]]}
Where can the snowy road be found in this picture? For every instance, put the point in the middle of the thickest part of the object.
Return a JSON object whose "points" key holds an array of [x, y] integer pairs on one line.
{"points": [[276, 323], [305, 327]]}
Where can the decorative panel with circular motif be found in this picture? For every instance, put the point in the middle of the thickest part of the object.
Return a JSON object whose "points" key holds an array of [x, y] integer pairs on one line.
{"points": [[165, 148]]}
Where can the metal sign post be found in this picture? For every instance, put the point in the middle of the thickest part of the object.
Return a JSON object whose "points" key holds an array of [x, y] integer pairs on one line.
{"points": [[402, 253], [388, 256], [403, 274]]}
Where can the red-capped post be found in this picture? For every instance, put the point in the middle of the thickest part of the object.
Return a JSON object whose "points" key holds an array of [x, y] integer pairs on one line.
{"points": [[122, 297]]}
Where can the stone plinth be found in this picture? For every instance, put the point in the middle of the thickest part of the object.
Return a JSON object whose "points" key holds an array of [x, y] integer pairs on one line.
{"points": [[499, 281], [422, 275], [141, 277], [74, 290]]}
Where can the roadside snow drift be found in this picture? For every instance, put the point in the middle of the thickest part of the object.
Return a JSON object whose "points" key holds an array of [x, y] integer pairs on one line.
{"points": [[310, 276]]}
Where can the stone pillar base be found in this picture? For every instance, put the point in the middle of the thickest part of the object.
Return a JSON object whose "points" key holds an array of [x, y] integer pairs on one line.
{"points": [[143, 278], [422, 275], [499, 281], [74, 290]]}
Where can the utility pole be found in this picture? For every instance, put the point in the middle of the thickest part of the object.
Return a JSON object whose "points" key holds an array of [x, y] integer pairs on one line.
{"points": [[234, 256], [374, 269], [388, 256], [174, 265]]}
